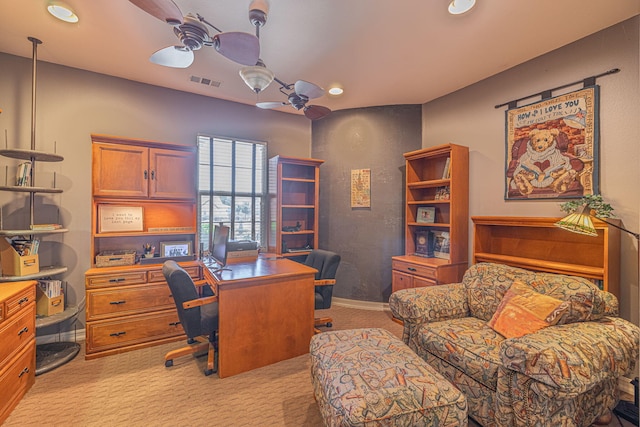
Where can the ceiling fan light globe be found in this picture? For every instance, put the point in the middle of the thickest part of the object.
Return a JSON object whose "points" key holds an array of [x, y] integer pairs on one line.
{"points": [[257, 77]]}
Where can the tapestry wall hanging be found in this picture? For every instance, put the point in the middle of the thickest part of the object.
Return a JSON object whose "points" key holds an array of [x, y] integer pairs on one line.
{"points": [[552, 147]]}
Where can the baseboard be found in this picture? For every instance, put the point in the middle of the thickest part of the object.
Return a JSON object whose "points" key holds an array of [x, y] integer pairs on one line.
{"points": [[73, 336], [362, 305]]}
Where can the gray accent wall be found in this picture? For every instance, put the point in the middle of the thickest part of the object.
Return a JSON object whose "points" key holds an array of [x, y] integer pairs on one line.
{"points": [[366, 238]]}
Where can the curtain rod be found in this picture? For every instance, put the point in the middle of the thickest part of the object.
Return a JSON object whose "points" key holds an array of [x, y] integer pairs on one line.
{"points": [[546, 94]]}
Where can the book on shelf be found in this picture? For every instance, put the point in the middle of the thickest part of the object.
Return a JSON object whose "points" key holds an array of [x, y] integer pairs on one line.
{"points": [[441, 244], [424, 244], [446, 173], [51, 288], [45, 226], [23, 174]]}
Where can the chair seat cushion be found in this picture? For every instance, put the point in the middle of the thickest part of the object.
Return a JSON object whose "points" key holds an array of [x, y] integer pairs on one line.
{"points": [[468, 344]]}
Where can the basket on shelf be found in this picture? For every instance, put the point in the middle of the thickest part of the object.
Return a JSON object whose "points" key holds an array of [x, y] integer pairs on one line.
{"points": [[115, 258]]}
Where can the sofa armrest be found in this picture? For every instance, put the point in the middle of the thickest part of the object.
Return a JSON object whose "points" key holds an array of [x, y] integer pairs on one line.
{"points": [[575, 357], [430, 304]]}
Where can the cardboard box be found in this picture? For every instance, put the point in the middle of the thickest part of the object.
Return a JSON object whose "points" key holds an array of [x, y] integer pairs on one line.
{"points": [[15, 265], [46, 306]]}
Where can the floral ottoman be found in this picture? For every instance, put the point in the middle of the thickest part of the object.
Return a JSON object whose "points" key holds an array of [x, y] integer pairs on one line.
{"points": [[368, 377]]}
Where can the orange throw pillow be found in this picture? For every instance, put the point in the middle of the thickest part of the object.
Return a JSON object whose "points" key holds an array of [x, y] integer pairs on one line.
{"points": [[524, 311]]}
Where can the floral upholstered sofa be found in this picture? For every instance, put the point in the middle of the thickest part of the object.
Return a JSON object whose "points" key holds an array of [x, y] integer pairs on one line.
{"points": [[564, 374]]}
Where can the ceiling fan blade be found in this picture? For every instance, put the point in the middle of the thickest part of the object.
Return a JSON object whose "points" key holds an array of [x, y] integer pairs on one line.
{"points": [[243, 48], [164, 10], [315, 112], [268, 105], [307, 89], [173, 56]]}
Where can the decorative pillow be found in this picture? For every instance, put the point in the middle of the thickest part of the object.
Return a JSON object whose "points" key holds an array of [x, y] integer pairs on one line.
{"points": [[524, 311]]}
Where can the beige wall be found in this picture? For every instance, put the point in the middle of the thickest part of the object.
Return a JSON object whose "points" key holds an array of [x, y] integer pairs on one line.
{"points": [[72, 104], [468, 117]]}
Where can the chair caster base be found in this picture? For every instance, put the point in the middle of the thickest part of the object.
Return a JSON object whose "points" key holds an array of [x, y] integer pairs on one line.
{"points": [[208, 372], [168, 363], [329, 325]]}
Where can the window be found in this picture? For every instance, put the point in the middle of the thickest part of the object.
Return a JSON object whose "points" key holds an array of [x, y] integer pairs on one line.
{"points": [[232, 188]]}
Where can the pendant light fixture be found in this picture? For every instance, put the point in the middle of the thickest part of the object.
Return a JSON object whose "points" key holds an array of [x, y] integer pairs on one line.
{"points": [[257, 77]]}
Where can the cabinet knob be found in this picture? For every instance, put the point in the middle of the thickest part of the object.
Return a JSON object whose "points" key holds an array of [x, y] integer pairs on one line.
{"points": [[23, 330], [174, 323], [145, 174], [117, 279], [117, 302], [153, 175], [23, 300], [24, 371], [117, 334], [411, 269]]}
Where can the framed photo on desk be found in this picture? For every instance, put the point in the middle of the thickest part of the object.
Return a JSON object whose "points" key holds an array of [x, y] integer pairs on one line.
{"points": [[175, 249]]}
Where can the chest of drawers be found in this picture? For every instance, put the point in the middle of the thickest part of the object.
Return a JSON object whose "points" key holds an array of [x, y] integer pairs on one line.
{"points": [[130, 307], [17, 343]]}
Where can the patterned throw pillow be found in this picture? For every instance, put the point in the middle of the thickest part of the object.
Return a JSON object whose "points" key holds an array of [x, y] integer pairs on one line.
{"points": [[524, 311]]}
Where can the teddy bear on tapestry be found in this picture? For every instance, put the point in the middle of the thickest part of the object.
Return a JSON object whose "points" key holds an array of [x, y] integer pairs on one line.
{"points": [[543, 165]]}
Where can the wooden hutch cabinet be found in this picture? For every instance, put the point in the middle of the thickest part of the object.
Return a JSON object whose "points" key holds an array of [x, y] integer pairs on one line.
{"points": [[294, 191], [535, 243], [437, 207], [130, 306]]}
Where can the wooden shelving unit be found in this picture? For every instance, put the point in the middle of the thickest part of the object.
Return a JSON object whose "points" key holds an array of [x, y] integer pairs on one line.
{"points": [[535, 243], [293, 205], [130, 306], [437, 178]]}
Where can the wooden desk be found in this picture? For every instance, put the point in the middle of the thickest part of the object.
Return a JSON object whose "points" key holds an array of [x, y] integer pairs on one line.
{"points": [[266, 310]]}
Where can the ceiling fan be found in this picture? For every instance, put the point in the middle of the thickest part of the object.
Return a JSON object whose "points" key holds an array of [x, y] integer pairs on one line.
{"points": [[243, 48], [258, 77], [302, 92]]}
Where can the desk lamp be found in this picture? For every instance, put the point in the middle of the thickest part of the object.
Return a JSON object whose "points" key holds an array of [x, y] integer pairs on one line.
{"points": [[581, 223]]}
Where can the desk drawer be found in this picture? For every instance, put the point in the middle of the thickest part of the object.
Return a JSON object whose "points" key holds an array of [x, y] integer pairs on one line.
{"points": [[135, 299], [20, 300], [117, 279], [19, 331], [157, 276], [415, 269], [16, 378], [127, 331]]}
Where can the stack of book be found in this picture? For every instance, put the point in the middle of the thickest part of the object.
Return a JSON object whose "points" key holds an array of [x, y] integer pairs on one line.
{"points": [[23, 175], [51, 288]]}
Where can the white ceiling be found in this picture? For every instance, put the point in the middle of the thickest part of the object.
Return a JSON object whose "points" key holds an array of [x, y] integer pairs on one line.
{"points": [[381, 52]]}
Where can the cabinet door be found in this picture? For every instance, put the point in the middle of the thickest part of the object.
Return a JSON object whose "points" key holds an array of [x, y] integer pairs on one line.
{"points": [[400, 281], [120, 170], [172, 174]]}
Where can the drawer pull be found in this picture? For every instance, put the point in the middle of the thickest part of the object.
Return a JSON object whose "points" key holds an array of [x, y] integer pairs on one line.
{"points": [[23, 300], [24, 371], [117, 334], [117, 279], [411, 269], [117, 302], [174, 323], [56, 303], [23, 330]]}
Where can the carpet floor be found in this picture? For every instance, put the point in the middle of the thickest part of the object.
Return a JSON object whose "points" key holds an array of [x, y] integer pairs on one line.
{"points": [[135, 389]]}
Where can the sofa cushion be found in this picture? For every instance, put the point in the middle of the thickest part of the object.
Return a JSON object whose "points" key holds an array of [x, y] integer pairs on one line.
{"points": [[487, 284], [524, 311], [468, 344]]}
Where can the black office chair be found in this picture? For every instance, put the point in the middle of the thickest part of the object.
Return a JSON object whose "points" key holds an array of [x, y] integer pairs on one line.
{"points": [[326, 262], [198, 317]]}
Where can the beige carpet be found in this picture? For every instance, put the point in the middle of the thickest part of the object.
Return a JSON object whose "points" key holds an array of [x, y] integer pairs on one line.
{"points": [[135, 389]]}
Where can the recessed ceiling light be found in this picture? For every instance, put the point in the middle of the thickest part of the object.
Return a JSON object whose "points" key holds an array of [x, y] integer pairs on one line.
{"points": [[457, 7], [62, 11], [335, 90]]}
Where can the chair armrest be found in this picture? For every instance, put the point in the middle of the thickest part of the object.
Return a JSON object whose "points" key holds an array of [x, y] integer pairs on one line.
{"points": [[430, 304], [324, 282], [200, 301], [575, 357]]}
